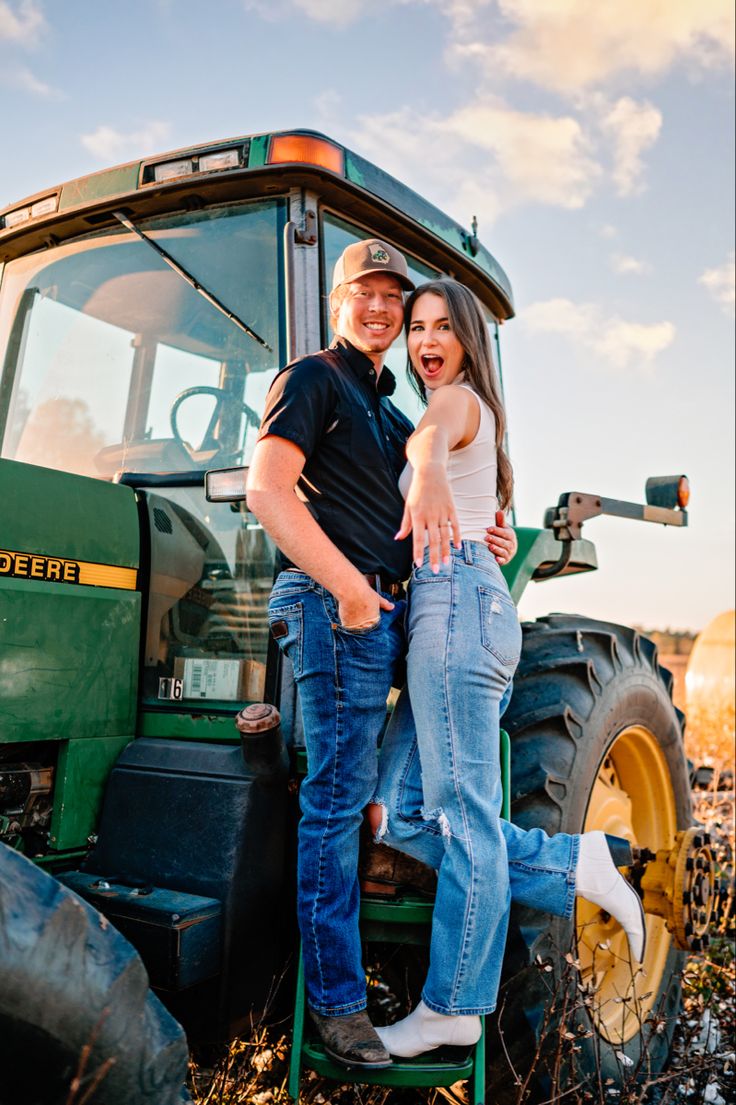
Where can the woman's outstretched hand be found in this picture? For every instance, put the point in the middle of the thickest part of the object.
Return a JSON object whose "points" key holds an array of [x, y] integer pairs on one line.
{"points": [[501, 540], [430, 514]]}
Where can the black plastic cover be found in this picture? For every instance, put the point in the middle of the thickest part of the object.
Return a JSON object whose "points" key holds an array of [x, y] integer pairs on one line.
{"points": [[188, 816]]}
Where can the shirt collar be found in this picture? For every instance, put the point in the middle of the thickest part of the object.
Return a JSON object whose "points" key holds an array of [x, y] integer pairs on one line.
{"points": [[362, 365]]}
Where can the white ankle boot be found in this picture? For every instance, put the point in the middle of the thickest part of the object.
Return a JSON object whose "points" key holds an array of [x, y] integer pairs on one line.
{"points": [[423, 1030], [598, 880]]}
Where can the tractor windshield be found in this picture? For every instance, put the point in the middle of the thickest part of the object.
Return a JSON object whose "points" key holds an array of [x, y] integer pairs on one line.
{"points": [[116, 364]]}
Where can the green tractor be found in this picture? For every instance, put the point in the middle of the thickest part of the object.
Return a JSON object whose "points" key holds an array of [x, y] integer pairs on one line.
{"points": [[144, 312]]}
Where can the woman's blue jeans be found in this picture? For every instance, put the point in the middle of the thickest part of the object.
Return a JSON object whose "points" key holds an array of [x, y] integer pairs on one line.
{"points": [[440, 779], [344, 678]]}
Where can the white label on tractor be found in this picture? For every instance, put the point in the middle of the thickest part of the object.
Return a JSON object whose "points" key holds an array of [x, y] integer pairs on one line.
{"points": [[211, 679]]}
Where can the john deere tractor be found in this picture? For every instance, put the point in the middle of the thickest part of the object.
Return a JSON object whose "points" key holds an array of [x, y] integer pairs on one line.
{"points": [[144, 312]]}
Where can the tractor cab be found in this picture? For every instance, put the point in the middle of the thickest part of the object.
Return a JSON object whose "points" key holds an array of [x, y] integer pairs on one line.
{"points": [[140, 350]]}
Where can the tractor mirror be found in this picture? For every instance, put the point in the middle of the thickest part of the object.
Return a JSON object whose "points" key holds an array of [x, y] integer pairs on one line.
{"points": [[225, 485], [668, 491]]}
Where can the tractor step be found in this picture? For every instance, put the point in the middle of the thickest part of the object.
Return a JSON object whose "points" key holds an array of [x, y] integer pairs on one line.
{"points": [[436, 1068]]}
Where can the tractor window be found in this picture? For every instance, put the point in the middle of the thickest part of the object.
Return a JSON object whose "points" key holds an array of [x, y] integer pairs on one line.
{"points": [[211, 571], [115, 363], [336, 235]]}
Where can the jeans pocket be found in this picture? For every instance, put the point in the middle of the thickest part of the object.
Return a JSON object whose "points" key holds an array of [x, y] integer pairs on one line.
{"points": [[499, 626], [291, 583], [359, 630], [286, 622], [424, 574], [333, 613]]}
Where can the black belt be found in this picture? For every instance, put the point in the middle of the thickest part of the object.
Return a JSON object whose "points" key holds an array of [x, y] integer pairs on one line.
{"points": [[390, 587], [377, 581]]}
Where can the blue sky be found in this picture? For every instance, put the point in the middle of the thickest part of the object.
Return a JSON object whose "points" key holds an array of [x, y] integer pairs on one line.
{"points": [[594, 142]]}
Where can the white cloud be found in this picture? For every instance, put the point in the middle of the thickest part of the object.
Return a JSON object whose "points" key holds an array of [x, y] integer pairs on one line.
{"points": [[607, 231], [542, 158], [335, 12], [721, 283], [463, 14], [22, 78], [624, 343], [564, 45], [453, 175], [110, 145], [573, 47], [484, 158], [22, 23], [616, 342], [625, 265], [569, 45], [633, 127], [328, 106]]}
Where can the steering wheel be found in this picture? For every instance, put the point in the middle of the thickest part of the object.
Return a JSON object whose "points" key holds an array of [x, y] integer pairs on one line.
{"points": [[222, 398]]}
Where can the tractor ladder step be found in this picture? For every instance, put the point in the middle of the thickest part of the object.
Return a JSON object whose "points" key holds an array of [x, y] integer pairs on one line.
{"points": [[406, 919]]}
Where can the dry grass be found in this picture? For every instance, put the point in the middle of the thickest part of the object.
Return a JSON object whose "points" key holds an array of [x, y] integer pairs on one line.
{"points": [[254, 1072], [709, 734]]}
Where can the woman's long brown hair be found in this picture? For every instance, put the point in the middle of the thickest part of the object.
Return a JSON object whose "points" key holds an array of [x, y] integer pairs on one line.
{"points": [[469, 326]]}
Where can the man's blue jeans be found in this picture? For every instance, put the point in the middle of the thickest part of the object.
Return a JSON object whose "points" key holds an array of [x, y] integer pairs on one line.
{"points": [[440, 780], [344, 677]]}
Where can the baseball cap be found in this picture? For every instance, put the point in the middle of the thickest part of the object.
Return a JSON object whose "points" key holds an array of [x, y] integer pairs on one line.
{"points": [[371, 255]]}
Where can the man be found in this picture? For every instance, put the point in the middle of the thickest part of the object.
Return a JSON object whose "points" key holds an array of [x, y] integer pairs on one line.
{"points": [[331, 433]]}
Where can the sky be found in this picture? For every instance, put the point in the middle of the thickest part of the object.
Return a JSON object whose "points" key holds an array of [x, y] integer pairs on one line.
{"points": [[594, 142]]}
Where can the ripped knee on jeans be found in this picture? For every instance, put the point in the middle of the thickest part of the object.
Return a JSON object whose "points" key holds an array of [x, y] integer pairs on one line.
{"points": [[442, 820], [377, 813]]}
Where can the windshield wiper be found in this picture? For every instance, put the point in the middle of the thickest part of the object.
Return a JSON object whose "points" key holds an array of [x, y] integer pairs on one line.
{"points": [[185, 275]]}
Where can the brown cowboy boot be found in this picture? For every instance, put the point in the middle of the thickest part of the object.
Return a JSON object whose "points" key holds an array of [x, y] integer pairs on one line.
{"points": [[384, 871], [351, 1040]]}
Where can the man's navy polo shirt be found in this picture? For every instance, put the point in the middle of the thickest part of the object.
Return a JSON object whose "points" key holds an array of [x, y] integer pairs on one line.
{"points": [[353, 438]]}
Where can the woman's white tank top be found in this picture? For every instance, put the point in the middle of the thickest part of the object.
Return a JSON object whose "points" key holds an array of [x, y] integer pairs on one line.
{"points": [[473, 472]]}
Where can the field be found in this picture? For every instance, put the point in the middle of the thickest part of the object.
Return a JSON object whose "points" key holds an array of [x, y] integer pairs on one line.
{"points": [[253, 1071]]}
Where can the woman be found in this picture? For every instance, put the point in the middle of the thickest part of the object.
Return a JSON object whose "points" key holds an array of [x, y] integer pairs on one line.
{"points": [[439, 791]]}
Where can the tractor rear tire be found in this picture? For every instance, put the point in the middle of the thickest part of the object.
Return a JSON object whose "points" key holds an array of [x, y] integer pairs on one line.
{"points": [[77, 1019], [596, 744]]}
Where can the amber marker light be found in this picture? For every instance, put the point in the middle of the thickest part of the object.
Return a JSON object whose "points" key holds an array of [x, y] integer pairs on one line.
{"points": [[307, 149], [683, 492]]}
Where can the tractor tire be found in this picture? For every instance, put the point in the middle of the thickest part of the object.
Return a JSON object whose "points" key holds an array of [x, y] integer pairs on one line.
{"points": [[78, 1022], [596, 743]]}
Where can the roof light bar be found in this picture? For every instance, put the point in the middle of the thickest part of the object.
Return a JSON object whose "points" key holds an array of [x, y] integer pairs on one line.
{"points": [[221, 159], [15, 218], [170, 170], [210, 161], [45, 206], [307, 149]]}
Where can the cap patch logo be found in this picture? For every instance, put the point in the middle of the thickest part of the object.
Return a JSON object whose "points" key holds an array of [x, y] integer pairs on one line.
{"points": [[380, 256]]}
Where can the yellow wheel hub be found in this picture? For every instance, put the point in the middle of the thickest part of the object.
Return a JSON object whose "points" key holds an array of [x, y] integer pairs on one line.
{"points": [[632, 798]]}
